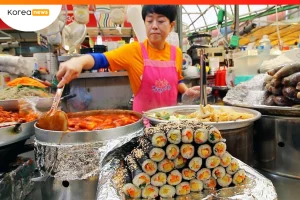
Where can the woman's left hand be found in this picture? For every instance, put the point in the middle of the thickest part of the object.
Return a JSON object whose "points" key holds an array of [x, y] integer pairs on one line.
{"points": [[195, 91]]}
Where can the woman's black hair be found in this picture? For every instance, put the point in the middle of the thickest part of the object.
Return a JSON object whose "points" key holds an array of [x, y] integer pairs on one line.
{"points": [[170, 11]]}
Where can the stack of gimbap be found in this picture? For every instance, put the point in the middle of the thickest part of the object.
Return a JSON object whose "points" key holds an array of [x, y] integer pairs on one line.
{"points": [[177, 158]]}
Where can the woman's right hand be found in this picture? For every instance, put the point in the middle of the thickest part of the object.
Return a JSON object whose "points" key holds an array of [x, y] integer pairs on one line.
{"points": [[69, 70]]}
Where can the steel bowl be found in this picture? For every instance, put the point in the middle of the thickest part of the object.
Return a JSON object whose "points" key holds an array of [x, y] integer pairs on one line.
{"points": [[227, 125], [90, 136]]}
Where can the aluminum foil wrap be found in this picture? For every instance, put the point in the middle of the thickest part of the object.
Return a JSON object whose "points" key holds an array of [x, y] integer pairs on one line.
{"points": [[247, 93], [17, 184], [111, 161], [74, 161], [67, 162]]}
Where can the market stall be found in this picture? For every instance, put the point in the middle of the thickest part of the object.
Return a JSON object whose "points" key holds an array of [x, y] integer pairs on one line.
{"points": [[89, 143]]}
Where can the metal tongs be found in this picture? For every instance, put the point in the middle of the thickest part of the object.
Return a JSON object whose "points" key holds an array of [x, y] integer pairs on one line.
{"points": [[203, 92]]}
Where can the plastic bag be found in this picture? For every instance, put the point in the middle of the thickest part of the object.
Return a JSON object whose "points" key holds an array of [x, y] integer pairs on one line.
{"points": [[82, 99]]}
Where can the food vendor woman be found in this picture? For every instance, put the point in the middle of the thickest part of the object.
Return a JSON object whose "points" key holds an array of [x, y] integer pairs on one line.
{"points": [[153, 66]]}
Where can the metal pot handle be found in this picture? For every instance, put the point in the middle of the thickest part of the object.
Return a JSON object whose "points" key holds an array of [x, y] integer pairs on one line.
{"points": [[18, 128]]}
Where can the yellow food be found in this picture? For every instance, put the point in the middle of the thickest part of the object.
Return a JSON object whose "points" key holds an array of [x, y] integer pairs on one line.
{"points": [[207, 114]]}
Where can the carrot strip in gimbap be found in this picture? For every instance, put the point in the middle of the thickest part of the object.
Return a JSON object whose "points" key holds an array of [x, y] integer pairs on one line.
{"points": [[187, 135]]}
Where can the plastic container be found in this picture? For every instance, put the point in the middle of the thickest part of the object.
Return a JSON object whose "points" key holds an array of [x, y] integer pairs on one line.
{"points": [[264, 45], [213, 64], [134, 16], [221, 77]]}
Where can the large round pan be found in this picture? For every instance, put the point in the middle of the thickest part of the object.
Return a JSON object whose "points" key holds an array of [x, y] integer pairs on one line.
{"points": [[219, 125], [90, 136]]}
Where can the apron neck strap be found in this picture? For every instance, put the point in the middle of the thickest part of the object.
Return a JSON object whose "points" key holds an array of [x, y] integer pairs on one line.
{"points": [[173, 53], [144, 51]]}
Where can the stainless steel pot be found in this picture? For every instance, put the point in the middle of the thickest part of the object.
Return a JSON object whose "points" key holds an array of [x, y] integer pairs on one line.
{"points": [[62, 137], [54, 189], [277, 145]]}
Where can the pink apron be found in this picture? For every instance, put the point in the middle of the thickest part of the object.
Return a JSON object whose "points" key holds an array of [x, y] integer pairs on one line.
{"points": [[159, 83]]}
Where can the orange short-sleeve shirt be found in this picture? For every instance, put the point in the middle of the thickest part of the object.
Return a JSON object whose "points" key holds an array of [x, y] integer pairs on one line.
{"points": [[129, 57]]}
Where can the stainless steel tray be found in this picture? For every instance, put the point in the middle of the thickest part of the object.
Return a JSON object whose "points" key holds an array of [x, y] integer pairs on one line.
{"points": [[219, 125], [11, 134], [42, 104], [271, 110]]}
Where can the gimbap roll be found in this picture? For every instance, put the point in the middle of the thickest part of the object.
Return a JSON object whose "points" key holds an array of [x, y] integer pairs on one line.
{"points": [[179, 162], [172, 151], [150, 192], [204, 151], [145, 145], [167, 191], [165, 165], [232, 167], [203, 174], [219, 148], [131, 191], [196, 185], [174, 178], [183, 188], [188, 174], [218, 172], [149, 167], [195, 164], [174, 136], [225, 159], [141, 180], [212, 162], [187, 151], [187, 135], [210, 183], [201, 136], [133, 167], [121, 177], [159, 140], [214, 135], [159, 179], [157, 154], [225, 181], [239, 177]]}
